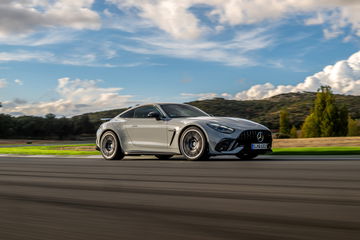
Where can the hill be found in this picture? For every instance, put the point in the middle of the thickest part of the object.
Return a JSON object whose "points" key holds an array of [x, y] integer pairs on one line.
{"points": [[265, 111]]}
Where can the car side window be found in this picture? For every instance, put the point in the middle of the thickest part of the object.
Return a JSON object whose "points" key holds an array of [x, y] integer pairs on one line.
{"points": [[129, 114], [142, 112]]}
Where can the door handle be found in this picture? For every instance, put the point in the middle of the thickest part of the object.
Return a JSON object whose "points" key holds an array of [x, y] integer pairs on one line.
{"points": [[134, 125]]}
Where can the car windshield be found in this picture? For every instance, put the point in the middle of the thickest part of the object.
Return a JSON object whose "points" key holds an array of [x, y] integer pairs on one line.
{"points": [[182, 110]]}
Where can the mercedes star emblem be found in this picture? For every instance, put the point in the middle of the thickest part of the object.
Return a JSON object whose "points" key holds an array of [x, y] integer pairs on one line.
{"points": [[260, 136]]}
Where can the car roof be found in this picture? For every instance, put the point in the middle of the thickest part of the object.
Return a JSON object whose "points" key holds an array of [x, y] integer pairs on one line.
{"points": [[147, 104], [157, 103]]}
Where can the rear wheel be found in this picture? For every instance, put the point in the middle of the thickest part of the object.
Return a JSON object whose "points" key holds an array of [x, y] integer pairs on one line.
{"points": [[193, 144], [110, 147], [163, 157], [246, 156]]}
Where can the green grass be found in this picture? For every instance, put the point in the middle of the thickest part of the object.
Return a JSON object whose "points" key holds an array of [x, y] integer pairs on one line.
{"points": [[53, 150], [47, 150], [71, 145], [317, 151]]}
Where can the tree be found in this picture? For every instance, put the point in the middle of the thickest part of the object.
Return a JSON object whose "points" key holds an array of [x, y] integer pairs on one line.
{"points": [[353, 127], [293, 132], [341, 126], [63, 127], [309, 128], [82, 124], [326, 119], [50, 116], [6, 126], [284, 122], [50, 125]]}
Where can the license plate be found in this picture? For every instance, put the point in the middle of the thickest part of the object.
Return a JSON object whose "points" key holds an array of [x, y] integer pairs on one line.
{"points": [[256, 146]]}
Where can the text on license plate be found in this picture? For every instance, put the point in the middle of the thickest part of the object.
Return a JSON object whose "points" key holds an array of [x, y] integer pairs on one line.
{"points": [[256, 146]]}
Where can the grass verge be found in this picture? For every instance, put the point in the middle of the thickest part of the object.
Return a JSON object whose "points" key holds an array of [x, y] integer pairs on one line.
{"points": [[48, 150], [317, 151], [62, 150]]}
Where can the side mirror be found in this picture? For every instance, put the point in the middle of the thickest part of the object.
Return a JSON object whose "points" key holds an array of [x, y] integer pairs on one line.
{"points": [[155, 115], [105, 119]]}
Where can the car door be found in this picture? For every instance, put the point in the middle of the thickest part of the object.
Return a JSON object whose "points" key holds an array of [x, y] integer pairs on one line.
{"points": [[147, 134]]}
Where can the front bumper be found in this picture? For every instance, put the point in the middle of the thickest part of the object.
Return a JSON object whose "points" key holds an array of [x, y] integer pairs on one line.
{"points": [[242, 144]]}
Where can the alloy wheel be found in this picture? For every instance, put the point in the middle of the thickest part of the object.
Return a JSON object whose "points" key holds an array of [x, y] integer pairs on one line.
{"points": [[193, 144]]}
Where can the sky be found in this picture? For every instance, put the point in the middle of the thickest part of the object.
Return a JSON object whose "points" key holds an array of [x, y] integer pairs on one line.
{"points": [[70, 57]]}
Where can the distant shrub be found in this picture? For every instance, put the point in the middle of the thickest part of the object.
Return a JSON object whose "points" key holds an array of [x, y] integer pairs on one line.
{"points": [[293, 132], [284, 122], [353, 127]]}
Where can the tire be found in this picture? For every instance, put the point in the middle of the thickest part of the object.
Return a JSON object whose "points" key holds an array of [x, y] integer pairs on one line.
{"points": [[110, 146], [193, 144], [164, 157], [246, 156]]}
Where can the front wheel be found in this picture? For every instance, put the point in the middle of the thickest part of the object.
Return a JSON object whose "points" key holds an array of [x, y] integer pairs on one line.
{"points": [[193, 144], [246, 156], [110, 147]]}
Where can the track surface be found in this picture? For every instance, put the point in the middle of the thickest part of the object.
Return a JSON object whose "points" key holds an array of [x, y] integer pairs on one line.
{"points": [[63, 198]]}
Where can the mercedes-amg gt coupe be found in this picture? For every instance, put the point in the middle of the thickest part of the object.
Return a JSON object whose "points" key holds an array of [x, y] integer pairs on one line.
{"points": [[167, 129]]}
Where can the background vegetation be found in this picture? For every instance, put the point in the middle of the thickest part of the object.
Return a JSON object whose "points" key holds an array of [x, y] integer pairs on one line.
{"points": [[51, 127], [327, 118], [294, 108]]}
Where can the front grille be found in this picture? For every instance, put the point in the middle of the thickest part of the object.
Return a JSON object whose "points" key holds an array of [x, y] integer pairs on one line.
{"points": [[250, 136]]}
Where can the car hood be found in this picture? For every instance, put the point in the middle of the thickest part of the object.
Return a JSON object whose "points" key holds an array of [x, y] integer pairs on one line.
{"points": [[237, 123]]}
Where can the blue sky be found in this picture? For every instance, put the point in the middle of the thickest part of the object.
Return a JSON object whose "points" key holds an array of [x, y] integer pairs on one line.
{"points": [[69, 57]]}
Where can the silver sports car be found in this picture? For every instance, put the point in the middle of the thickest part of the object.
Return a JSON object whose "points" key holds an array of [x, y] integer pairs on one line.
{"points": [[166, 129]]}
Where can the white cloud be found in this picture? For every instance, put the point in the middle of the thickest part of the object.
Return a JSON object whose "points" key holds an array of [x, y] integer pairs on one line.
{"points": [[204, 96], [21, 56], [178, 19], [3, 82], [182, 29], [127, 21], [89, 59], [27, 16], [343, 77], [232, 52], [332, 33], [199, 96], [316, 20], [40, 38], [170, 16], [75, 97], [19, 82], [78, 59]]}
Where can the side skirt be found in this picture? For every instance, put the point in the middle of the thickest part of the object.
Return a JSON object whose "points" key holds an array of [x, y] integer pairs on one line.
{"points": [[137, 153]]}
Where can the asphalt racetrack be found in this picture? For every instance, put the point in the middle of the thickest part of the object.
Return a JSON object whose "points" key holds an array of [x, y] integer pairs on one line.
{"points": [[273, 197]]}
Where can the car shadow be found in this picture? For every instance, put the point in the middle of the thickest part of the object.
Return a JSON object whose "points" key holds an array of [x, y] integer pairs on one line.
{"points": [[183, 159], [263, 158]]}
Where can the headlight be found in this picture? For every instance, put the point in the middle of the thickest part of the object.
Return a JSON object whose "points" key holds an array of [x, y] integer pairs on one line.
{"points": [[221, 128]]}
